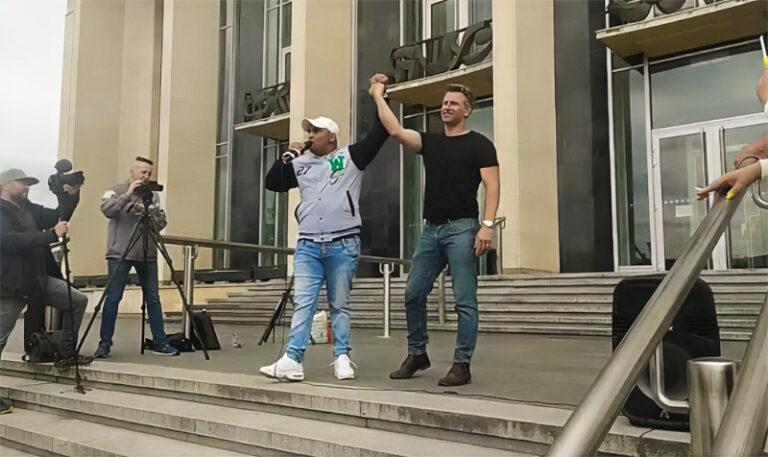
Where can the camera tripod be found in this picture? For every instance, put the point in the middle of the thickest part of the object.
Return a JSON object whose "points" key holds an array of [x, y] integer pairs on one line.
{"points": [[277, 315], [145, 230]]}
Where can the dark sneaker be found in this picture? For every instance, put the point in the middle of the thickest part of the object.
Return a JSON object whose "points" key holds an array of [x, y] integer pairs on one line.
{"points": [[411, 365], [165, 349], [102, 352], [458, 375], [71, 361], [5, 406]]}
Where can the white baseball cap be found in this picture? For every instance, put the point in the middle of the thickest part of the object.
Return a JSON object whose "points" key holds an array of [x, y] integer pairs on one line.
{"points": [[321, 123]]}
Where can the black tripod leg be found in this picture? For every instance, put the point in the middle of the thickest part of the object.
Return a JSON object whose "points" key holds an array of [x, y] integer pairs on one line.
{"points": [[145, 243], [131, 242], [157, 240]]}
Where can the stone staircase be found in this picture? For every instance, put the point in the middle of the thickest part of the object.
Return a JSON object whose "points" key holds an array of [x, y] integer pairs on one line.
{"points": [[149, 410], [556, 304]]}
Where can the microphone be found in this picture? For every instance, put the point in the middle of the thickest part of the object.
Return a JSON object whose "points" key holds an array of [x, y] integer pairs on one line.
{"points": [[289, 155]]}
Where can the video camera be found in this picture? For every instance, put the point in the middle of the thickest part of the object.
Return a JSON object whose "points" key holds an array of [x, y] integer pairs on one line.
{"points": [[57, 181], [145, 190]]}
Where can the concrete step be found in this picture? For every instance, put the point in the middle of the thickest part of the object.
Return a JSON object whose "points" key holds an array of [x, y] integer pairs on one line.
{"points": [[49, 434], [7, 451], [393, 422], [254, 432]]}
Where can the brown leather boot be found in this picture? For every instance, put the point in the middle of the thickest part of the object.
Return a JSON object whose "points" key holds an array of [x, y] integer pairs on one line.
{"points": [[411, 365], [458, 375]]}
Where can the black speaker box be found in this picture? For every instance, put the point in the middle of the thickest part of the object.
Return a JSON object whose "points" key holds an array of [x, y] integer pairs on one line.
{"points": [[694, 333]]}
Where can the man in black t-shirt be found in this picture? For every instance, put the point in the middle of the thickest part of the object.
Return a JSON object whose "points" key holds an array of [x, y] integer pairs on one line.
{"points": [[456, 160]]}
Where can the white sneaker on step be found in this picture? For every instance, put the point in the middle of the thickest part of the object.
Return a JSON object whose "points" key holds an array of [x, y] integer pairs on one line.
{"points": [[285, 369], [342, 367]]}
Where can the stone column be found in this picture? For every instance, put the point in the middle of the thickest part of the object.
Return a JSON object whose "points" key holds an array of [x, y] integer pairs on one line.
{"points": [[524, 130]]}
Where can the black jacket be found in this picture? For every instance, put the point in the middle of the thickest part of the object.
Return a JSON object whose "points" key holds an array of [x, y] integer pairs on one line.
{"points": [[26, 260]]}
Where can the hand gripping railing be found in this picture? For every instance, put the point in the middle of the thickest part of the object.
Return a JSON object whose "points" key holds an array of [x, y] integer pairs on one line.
{"points": [[592, 420], [191, 246]]}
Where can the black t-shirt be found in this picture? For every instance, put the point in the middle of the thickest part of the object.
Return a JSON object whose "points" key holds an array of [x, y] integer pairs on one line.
{"points": [[452, 166]]}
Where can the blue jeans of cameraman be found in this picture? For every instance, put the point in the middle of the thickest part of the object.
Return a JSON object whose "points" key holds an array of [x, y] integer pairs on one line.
{"points": [[147, 273], [333, 263], [451, 243]]}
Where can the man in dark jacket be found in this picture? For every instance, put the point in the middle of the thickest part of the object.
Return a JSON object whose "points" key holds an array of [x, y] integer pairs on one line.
{"points": [[29, 275]]}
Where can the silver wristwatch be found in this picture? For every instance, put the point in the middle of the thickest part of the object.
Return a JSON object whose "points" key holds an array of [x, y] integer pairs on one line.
{"points": [[487, 223]]}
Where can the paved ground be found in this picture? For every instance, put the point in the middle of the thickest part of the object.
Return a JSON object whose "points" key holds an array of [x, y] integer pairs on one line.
{"points": [[529, 368]]}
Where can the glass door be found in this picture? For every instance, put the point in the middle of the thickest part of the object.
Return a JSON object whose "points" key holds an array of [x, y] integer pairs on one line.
{"points": [[747, 238], [680, 165], [687, 157]]}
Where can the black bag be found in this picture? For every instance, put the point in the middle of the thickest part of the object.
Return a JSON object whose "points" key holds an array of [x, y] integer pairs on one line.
{"points": [[180, 342], [204, 325], [43, 347]]}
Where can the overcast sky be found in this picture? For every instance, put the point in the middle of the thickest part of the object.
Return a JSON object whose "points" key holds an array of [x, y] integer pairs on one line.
{"points": [[31, 56]]}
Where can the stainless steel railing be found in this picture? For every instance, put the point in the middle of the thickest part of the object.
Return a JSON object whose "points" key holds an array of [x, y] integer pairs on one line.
{"points": [[591, 421], [192, 245], [744, 426]]}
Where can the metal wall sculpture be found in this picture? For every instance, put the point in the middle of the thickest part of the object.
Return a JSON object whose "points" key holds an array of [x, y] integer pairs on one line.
{"points": [[267, 102], [467, 46], [629, 11]]}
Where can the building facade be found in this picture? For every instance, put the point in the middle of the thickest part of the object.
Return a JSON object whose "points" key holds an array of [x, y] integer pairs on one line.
{"points": [[604, 115]]}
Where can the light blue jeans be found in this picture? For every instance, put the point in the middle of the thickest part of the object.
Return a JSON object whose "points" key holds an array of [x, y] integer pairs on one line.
{"points": [[333, 263], [451, 243]]}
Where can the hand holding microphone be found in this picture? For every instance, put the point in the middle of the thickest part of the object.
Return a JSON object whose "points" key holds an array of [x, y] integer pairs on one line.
{"points": [[294, 150]]}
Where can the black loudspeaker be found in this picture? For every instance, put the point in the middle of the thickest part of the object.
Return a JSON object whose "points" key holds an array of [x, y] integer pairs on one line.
{"points": [[34, 322], [694, 333]]}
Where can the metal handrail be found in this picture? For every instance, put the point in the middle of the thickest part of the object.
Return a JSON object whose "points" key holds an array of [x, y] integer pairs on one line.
{"points": [[191, 245], [744, 428], [218, 244], [591, 421]]}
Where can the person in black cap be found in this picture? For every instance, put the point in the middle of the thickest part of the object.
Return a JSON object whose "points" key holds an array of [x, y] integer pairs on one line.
{"points": [[29, 275]]}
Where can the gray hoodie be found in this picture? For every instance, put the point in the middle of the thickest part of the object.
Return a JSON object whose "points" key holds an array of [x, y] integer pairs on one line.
{"points": [[123, 211]]}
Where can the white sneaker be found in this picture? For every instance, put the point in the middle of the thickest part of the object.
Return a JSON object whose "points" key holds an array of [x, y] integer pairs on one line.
{"points": [[342, 367], [285, 369]]}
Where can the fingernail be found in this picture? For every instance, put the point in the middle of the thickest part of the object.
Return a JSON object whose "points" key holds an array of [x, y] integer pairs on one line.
{"points": [[730, 196]]}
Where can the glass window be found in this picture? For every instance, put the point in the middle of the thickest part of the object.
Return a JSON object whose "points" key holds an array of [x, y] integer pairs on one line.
{"points": [[220, 209], [413, 191], [479, 10], [277, 41], [630, 146], [271, 40], [412, 21], [442, 16], [748, 234], [705, 87], [273, 218]]}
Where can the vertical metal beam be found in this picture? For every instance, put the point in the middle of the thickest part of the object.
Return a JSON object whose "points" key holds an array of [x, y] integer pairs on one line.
{"points": [[386, 270], [710, 382], [190, 252]]}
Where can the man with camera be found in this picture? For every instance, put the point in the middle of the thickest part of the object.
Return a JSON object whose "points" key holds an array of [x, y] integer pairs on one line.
{"points": [[328, 248], [29, 275], [123, 204]]}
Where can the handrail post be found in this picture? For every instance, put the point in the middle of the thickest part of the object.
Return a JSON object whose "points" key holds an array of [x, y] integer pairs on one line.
{"points": [[710, 382], [499, 224], [386, 270], [190, 252], [441, 298]]}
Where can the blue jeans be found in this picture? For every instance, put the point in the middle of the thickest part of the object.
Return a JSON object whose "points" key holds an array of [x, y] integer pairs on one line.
{"points": [[451, 243], [334, 263], [148, 279]]}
